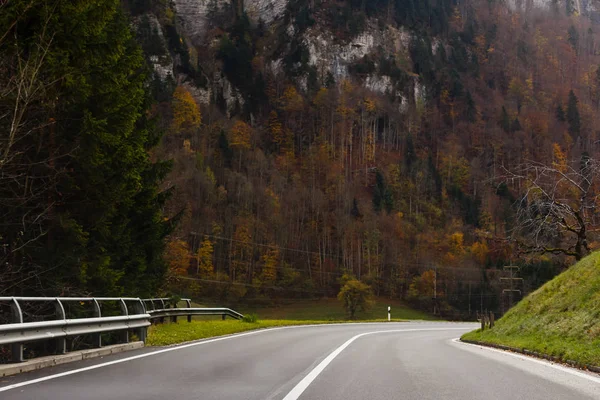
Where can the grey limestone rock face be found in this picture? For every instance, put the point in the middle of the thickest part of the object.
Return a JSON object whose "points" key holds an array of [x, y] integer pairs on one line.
{"points": [[194, 14]]}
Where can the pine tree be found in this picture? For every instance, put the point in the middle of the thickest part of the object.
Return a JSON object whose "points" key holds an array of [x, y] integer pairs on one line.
{"points": [[471, 110], [105, 230], [515, 126], [382, 196], [573, 115], [573, 37]]}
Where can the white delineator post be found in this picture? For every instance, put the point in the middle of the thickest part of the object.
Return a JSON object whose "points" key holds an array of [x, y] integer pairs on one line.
{"points": [[389, 313]]}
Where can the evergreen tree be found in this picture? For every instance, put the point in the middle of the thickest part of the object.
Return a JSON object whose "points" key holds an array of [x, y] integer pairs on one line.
{"points": [[573, 115], [355, 212], [471, 110], [573, 37], [105, 231], [515, 126], [410, 155], [382, 196]]}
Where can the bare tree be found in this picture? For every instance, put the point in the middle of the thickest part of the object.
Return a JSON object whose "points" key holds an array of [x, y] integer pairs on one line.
{"points": [[557, 209], [27, 172]]}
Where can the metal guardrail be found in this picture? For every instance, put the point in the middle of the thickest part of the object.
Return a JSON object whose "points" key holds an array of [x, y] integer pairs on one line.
{"points": [[173, 313], [135, 317], [169, 308]]}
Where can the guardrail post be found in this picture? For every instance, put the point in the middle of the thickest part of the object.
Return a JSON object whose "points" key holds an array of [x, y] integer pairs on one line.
{"points": [[223, 316], [174, 317], [189, 305], [61, 343], [17, 317], [162, 302], [97, 337], [142, 333], [482, 322], [125, 333]]}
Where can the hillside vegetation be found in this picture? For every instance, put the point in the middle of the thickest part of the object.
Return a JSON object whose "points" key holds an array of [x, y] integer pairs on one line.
{"points": [[560, 319], [249, 152]]}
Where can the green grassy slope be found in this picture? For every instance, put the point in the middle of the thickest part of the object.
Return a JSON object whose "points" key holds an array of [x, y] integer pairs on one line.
{"points": [[561, 319], [332, 310]]}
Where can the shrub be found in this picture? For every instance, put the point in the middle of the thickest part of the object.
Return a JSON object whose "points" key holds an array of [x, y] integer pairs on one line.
{"points": [[250, 318]]}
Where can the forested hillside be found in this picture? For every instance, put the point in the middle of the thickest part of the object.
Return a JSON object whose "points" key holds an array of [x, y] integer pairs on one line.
{"points": [[312, 138], [418, 145]]}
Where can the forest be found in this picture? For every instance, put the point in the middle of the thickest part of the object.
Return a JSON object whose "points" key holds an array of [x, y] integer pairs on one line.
{"points": [[260, 168]]}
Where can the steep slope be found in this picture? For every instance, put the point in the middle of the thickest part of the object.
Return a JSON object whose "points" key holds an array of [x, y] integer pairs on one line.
{"points": [[560, 319], [364, 137]]}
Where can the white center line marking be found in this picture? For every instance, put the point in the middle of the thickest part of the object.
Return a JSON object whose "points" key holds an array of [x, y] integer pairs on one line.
{"points": [[297, 391], [179, 347]]}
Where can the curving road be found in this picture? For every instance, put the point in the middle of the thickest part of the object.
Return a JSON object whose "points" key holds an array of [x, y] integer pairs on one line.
{"points": [[413, 360]]}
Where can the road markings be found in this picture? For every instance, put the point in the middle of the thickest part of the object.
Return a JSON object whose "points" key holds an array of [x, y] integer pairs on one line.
{"points": [[297, 391], [166, 350], [559, 367]]}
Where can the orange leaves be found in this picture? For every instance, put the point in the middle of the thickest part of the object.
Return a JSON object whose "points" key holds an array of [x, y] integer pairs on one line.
{"points": [[270, 260], [177, 257], [240, 135], [205, 258], [186, 113], [559, 159], [480, 251], [370, 105], [291, 100]]}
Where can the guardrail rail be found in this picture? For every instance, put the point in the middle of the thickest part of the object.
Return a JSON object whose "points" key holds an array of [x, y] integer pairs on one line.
{"points": [[136, 315]]}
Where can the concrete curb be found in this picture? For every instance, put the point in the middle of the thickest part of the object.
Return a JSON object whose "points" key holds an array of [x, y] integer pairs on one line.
{"points": [[535, 354], [51, 361]]}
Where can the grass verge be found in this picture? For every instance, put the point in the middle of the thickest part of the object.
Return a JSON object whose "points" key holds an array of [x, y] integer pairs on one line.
{"points": [[168, 334], [561, 319], [330, 309]]}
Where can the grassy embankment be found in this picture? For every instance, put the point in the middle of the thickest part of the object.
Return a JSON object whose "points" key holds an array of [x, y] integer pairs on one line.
{"points": [[560, 319], [304, 312]]}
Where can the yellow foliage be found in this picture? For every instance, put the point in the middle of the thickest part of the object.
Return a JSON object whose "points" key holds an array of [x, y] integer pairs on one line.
{"points": [[274, 199], [456, 243], [205, 258], [240, 135], [291, 100], [559, 159], [186, 113], [480, 251], [269, 268], [177, 257], [370, 105], [187, 146], [275, 128]]}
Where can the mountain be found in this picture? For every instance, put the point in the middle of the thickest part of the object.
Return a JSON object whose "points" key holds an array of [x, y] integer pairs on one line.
{"points": [[314, 137]]}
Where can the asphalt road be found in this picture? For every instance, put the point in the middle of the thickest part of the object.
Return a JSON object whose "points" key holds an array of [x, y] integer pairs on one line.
{"points": [[415, 360]]}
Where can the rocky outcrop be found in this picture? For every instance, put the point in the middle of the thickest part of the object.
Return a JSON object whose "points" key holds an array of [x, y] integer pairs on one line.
{"points": [[162, 64], [194, 14], [267, 10]]}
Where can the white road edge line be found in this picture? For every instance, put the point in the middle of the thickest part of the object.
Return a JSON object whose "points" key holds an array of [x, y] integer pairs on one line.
{"points": [[559, 367], [297, 391], [166, 350]]}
